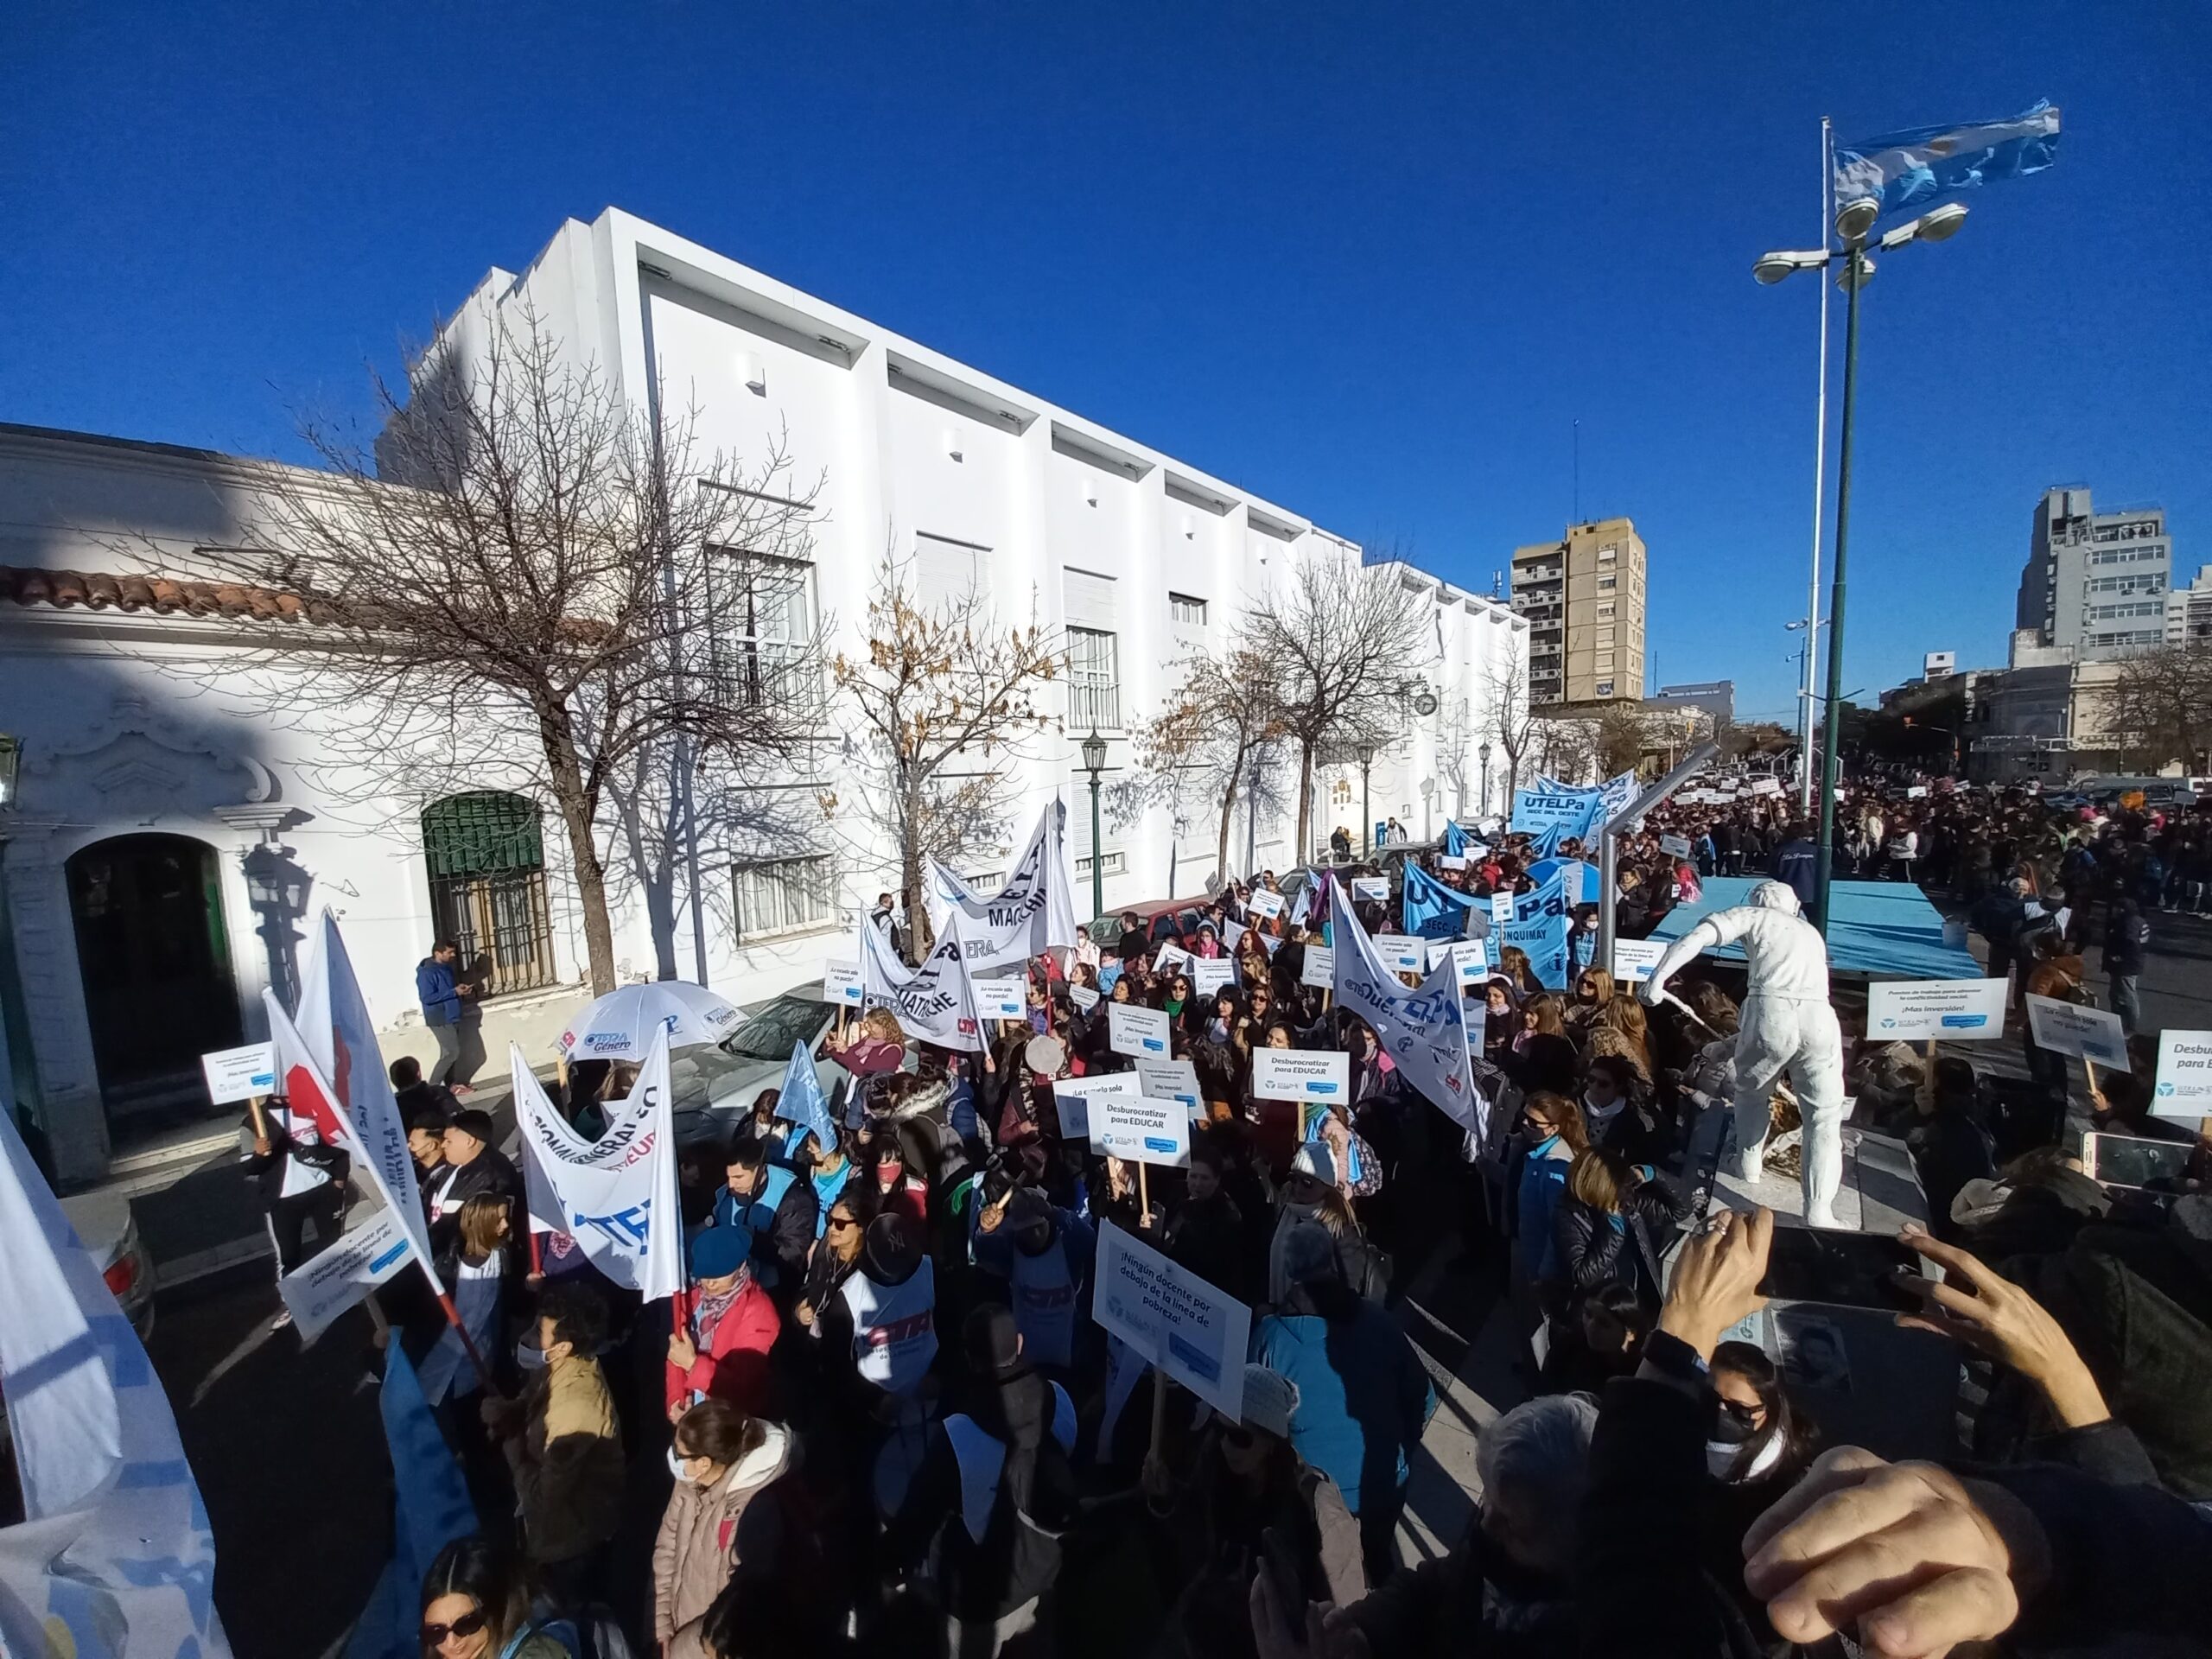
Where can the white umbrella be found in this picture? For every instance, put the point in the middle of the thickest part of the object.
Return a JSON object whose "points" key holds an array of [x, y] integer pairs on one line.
{"points": [[621, 1025]]}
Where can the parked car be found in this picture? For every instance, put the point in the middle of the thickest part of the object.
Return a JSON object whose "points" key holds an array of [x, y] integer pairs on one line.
{"points": [[1161, 919], [714, 1085]]}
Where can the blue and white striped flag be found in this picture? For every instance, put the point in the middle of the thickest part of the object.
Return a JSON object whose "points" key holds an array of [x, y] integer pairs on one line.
{"points": [[115, 1556], [1910, 170], [800, 1099]]}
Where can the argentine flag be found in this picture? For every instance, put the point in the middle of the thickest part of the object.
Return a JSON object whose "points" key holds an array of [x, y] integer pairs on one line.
{"points": [[1911, 168]]}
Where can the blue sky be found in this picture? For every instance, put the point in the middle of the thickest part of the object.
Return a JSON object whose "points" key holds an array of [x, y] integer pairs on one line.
{"points": [[1371, 261]]}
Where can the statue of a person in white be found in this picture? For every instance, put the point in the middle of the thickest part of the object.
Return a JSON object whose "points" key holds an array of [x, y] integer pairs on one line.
{"points": [[1787, 1026]]}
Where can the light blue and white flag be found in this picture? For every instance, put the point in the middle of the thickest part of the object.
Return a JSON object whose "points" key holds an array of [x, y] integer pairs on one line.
{"points": [[115, 1556], [1910, 170], [800, 1100], [430, 1509], [1423, 1030], [1429, 909]]}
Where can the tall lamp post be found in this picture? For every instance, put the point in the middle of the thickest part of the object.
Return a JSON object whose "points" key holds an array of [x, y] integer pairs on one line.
{"points": [[1482, 751], [1094, 762], [1366, 753], [1854, 222]]}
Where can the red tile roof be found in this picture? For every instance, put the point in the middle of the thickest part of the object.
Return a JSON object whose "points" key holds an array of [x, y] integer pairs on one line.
{"points": [[101, 590]]}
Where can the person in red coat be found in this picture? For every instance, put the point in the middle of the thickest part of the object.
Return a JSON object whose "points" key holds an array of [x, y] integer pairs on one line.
{"points": [[722, 1352]]}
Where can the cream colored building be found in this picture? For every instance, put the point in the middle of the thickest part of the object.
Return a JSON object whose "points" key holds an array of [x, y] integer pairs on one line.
{"points": [[1583, 598]]}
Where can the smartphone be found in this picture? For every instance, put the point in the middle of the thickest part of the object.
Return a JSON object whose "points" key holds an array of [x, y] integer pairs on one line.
{"points": [[2131, 1161], [1817, 1264]]}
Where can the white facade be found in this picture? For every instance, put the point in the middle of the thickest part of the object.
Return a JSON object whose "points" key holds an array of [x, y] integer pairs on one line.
{"points": [[913, 452]]}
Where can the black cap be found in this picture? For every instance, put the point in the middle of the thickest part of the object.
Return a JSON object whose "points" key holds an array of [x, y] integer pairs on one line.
{"points": [[473, 1121]]}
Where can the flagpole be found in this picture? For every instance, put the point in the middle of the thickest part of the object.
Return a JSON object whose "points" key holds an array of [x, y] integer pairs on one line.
{"points": [[1820, 460]]}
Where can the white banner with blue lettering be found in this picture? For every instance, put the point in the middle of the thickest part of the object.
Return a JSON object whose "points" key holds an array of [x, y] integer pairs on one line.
{"points": [[1032, 911], [114, 1557], [1424, 1031], [936, 1001]]}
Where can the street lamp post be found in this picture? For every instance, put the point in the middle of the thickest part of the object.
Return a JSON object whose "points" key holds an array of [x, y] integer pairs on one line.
{"points": [[1853, 223], [1366, 752], [1483, 750], [1094, 762]]}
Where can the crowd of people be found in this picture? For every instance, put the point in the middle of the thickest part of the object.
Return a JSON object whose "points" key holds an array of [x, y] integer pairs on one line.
{"points": [[891, 1425]]}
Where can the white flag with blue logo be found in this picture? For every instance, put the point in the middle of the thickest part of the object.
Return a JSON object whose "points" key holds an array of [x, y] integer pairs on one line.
{"points": [[115, 1557], [1910, 170]]}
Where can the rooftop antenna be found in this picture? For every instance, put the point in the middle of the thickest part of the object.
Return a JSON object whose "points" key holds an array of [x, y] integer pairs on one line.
{"points": [[1578, 472]]}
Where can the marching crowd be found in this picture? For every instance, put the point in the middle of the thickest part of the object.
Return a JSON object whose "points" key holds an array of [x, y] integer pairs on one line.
{"points": [[891, 1425]]}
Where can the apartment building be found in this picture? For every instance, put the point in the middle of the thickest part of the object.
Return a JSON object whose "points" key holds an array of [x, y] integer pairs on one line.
{"points": [[2095, 584], [1582, 597]]}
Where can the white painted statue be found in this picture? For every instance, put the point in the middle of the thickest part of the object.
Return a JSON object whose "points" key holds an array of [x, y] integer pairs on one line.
{"points": [[1787, 1026]]}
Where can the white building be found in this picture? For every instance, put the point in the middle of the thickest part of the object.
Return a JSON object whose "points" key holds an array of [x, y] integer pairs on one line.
{"points": [[171, 837]]}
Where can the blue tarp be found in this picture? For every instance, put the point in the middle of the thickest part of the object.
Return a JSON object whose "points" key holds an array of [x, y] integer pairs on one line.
{"points": [[1879, 929]]}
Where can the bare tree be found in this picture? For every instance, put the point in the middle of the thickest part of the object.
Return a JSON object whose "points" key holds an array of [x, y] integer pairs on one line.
{"points": [[1341, 639], [1211, 740], [532, 580], [1455, 750], [1621, 741], [2159, 708], [1508, 720], [1566, 749], [939, 703]]}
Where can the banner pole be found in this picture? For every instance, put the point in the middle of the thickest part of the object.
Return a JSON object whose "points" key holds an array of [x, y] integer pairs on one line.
{"points": [[1144, 1198], [260, 1121], [537, 1251], [1158, 1408]]}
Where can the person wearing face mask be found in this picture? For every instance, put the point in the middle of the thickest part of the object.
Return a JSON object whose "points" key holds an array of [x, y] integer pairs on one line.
{"points": [[726, 1516], [1554, 1132], [723, 1349], [1312, 1197], [1043, 1255], [1618, 1118], [771, 1202], [564, 1450], [1219, 1507]]}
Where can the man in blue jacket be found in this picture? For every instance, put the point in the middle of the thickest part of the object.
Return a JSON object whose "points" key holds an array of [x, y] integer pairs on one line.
{"points": [[439, 992]]}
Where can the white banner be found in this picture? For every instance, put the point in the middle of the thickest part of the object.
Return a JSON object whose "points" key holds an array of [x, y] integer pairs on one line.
{"points": [[236, 1074], [934, 1002], [1317, 1074], [2184, 1085], [1194, 1331], [1320, 967], [2071, 1028], [1402, 953], [1136, 1031], [1375, 887], [328, 1283], [1634, 959], [1919, 1010], [1032, 912], [1211, 974], [1141, 1127], [606, 1193], [1423, 1030], [1172, 1080], [1072, 1097]]}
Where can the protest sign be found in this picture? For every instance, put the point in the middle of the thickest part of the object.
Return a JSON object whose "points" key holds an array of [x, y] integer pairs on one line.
{"points": [[1634, 959], [1172, 1080], [1919, 1010], [333, 1279], [1034, 911], [840, 984], [1675, 846], [1002, 997], [1320, 967], [1208, 975], [1170, 957], [1402, 953], [1773, 786], [1471, 958], [935, 1002], [1423, 1028], [1230, 933], [1501, 908], [1083, 997], [1918, 791], [1194, 1331], [1073, 1095], [1371, 888], [1143, 1128], [1136, 1030], [2184, 1085], [1322, 1074], [235, 1074], [2073, 1028], [1452, 862], [1264, 904]]}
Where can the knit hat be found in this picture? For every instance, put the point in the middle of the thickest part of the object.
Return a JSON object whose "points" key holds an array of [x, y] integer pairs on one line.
{"points": [[1269, 1399], [720, 1251]]}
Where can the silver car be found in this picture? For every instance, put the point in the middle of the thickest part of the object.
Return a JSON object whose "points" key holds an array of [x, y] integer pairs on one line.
{"points": [[716, 1084]]}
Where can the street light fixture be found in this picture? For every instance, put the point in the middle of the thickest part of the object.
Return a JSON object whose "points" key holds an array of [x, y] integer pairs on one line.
{"points": [[1853, 222], [1483, 750], [1366, 753], [1094, 762]]}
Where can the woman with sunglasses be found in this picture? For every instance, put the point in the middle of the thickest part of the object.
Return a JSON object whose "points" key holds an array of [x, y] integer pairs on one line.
{"points": [[474, 1606], [837, 1252]]}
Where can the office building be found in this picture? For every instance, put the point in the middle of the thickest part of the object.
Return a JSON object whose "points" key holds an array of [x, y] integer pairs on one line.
{"points": [[2188, 611], [2095, 584], [1583, 596]]}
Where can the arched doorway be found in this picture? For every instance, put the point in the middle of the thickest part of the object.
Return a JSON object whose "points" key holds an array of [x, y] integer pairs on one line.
{"points": [[156, 961]]}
